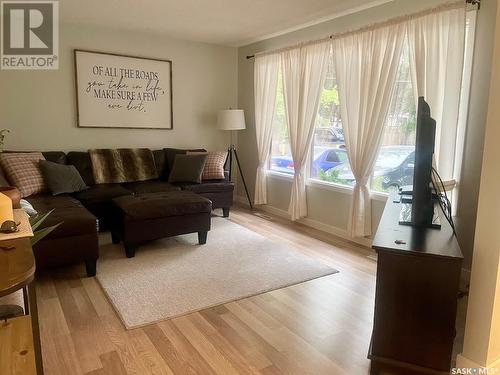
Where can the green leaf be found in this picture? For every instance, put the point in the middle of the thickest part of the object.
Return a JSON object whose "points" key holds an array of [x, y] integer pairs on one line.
{"points": [[37, 220], [39, 234]]}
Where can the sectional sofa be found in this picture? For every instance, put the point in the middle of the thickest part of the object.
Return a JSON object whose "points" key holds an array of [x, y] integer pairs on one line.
{"points": [[85, 213]]}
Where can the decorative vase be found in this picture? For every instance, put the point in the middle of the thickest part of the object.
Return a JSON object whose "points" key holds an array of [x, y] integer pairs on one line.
{"points": [[13, 193]]}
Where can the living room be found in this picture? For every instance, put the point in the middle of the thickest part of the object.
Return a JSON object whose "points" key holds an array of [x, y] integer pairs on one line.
{"points": [[220, 188]]}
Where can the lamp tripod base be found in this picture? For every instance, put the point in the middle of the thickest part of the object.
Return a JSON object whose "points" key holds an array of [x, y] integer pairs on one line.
{"points": [[232, 150]]}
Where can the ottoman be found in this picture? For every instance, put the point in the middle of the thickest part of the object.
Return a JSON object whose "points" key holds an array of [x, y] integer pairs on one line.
{"points": [[150, 216]]}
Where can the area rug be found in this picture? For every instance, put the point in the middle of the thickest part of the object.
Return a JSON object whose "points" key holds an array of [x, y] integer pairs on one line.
{"points": [[175, 276]]}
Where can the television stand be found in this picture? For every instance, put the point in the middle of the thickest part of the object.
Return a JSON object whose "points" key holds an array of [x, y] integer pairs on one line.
{"points": [[418, 274]]}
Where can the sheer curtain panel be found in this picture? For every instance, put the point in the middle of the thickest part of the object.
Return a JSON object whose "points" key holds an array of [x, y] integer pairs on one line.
{"points": [[266, 69], [366, 65], [436, 42], [304, 70]]}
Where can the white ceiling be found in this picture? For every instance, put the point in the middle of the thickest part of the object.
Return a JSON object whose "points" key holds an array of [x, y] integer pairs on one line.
{"points": [[224, 22]]}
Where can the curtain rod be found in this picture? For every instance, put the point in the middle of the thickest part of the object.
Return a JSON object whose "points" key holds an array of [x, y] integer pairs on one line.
{"points": [[377, 25]]}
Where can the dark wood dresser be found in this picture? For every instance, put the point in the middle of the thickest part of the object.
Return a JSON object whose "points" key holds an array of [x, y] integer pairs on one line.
{"points": [[416, 297]]}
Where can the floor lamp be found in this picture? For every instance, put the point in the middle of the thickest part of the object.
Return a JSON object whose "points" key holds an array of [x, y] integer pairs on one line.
{"points": [[233, 119]]}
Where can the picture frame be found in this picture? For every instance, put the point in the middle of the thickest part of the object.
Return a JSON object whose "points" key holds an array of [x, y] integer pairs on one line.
{"points": [[123, 91]]}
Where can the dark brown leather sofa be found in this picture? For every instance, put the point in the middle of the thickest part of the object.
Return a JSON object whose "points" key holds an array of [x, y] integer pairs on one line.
{"points": [[85, 213]]}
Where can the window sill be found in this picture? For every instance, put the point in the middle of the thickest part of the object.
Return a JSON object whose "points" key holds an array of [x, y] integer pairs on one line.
{"points": [[375, 195], [330, 186], [378, 196], [279, 175]]}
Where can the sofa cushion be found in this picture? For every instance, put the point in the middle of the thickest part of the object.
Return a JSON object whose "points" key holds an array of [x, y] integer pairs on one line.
{"points": [[81, 161], [208, 187], [152, 186], [98, 200], [61, 178], [23, 172], [161, 205], [101, 193], [76, 220]]}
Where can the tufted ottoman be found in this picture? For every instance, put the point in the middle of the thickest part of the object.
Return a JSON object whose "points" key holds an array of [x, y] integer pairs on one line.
{"points": [[150, 216]]}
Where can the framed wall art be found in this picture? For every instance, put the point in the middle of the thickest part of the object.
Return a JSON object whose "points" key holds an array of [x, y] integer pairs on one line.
{"points": [[120, 91]]}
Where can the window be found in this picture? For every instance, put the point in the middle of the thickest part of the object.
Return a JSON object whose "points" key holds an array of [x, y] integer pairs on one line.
{"points": [[281, 155], [394, 165], [329, 160], [395, 162]]}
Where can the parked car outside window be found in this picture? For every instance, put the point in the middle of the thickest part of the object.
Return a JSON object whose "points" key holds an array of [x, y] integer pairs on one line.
{"points": [[324, 159], [394, 168]]}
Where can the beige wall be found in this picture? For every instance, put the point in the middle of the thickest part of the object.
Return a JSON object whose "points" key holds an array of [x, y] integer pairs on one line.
{"points": [[332, 207], [39, 106], [482, 332], [476, 122]]}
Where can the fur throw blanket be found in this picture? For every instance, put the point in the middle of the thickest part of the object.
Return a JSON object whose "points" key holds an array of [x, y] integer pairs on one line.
{"points": [[122, 165]]}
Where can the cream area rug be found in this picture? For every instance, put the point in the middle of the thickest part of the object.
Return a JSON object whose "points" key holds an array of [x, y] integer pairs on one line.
{"points": [[176, 276]]}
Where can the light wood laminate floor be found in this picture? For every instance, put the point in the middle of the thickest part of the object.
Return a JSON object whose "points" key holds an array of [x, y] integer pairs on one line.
{"points": [[318, 327]]}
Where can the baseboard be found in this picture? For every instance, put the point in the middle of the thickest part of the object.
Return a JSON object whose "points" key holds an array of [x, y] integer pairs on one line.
{"points": [[327, 228]]}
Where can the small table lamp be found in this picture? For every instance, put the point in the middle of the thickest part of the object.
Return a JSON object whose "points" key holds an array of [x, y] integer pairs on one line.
{"points": [[233, 119], [6, 211]]}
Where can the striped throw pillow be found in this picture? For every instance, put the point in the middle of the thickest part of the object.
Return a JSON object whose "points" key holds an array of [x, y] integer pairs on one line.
{"points": [[214, 166], [23, 172]]}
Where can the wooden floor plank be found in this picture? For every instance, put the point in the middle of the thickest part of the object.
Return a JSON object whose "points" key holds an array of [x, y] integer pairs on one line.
{"points": [[124, 348], [148, 353], [180, 350], [112, 364], [283, 339], [67, 360], [218, 362], [247, 349], [240, 363], [280, 360]]}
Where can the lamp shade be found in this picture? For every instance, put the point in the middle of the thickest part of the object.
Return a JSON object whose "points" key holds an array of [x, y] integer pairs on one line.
{"points": [[231, 119]]}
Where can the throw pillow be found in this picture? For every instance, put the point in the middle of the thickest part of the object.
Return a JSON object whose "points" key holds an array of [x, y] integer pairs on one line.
{"points": [[23, 171], [214, 167], [61, 178], [187, 168], [171, 153]]}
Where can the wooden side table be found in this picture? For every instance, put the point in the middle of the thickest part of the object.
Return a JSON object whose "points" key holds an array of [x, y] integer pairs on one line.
{"points": [[19, 337]]}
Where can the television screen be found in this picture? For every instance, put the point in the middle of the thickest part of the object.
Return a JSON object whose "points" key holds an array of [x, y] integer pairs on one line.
{"points": [[422, 210]]}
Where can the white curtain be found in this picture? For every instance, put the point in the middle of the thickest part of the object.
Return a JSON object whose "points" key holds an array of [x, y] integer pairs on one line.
{"points": [[436, 42], [266, 70], [366, 65], [304, 71]]}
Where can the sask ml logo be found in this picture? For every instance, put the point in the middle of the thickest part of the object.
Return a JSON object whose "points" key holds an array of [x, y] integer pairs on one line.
{"points": [[30, 35]]}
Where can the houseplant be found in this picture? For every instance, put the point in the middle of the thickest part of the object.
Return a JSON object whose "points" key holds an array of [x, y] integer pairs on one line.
{"points": [[35, 222]]}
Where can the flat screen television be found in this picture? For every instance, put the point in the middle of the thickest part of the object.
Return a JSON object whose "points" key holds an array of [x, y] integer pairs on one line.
{"points": [[422, 204]]}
